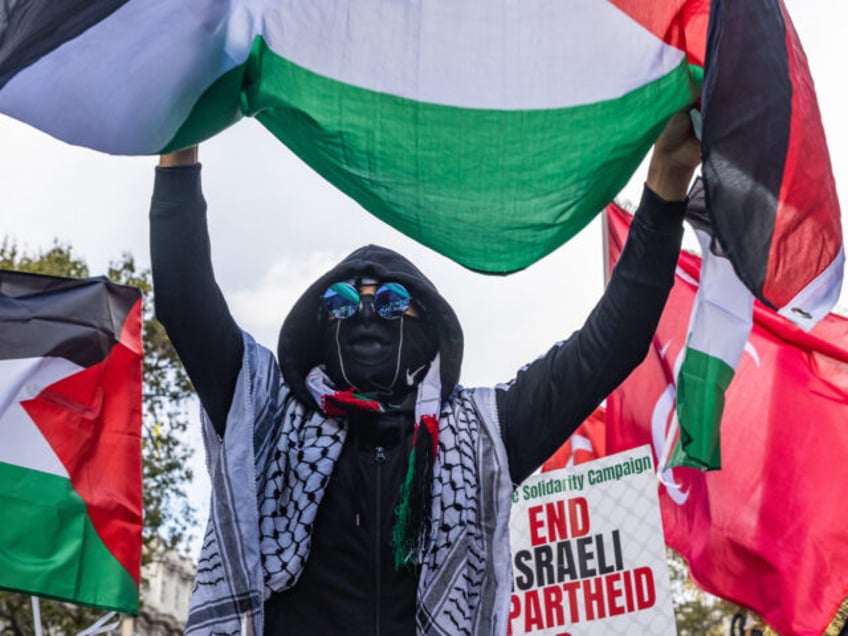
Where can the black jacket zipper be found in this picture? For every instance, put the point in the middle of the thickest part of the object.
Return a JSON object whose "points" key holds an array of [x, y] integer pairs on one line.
{"points": [[379, 459]]}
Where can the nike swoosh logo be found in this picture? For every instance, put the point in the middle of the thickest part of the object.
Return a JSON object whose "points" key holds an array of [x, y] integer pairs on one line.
{"points": [[410, 377]]}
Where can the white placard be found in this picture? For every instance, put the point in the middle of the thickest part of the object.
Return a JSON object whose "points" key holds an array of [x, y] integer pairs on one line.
{"points": [[588, 553]]}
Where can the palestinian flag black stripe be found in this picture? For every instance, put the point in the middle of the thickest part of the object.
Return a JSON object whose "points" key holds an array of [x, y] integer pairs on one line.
{"points": [[30, 29], [79, 320], [762, 132], [747, 109]]}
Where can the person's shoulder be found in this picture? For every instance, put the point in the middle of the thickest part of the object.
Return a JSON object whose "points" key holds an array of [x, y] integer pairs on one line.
{"points": [[469, 399], [260, 362]]}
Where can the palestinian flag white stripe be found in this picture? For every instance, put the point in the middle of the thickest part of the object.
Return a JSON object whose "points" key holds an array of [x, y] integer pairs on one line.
{"points": [[721, 321], [722, 315], [23, 379], [534, 54], [474, 60], [117, 91], [818, 297]]}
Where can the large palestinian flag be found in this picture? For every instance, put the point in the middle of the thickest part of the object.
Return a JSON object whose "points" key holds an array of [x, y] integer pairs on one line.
{"points": [[70, 421], [490, 131]]}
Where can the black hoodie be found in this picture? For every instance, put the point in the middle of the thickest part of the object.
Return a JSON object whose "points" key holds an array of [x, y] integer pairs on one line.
{"points": [[351, 552], [349, 584], [301, 336]]}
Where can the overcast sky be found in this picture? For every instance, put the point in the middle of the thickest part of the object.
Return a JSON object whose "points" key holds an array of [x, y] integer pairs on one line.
{"points": [[275, 225]]}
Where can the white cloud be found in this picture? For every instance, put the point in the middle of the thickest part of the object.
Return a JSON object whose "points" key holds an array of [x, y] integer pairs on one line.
{"points": [[260, 308]]}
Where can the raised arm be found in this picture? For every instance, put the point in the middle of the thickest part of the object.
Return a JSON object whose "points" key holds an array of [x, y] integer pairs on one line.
{"points": [[188, 301], [554, 394]]}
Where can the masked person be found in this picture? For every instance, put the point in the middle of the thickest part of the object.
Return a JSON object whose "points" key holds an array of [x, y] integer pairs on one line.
{"points": [[356, 488]]}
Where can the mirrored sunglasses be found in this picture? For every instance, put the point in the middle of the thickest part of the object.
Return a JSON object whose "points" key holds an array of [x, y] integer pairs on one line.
{"points": [[390, 301]]}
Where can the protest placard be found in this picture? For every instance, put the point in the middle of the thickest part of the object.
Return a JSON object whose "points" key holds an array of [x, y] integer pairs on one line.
{"points": [[588, 553]]}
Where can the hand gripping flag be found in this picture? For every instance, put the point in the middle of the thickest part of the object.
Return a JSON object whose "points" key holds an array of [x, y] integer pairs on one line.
{"points": [[766, 215], [70, 421], [719, 325], [769, 530]]}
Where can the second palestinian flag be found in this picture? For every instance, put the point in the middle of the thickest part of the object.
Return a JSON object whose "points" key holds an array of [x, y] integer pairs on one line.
{"points": [[70, 424]]}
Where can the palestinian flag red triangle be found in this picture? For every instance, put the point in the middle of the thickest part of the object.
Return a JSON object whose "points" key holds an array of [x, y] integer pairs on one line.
{"points": [[82, 417]]}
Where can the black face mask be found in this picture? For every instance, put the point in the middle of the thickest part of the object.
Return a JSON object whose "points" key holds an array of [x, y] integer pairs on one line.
{"points": [[380, 358]]}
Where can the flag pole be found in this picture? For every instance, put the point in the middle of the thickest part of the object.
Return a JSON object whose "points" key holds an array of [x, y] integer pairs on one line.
{"points": [[100, 627], [36, 616]]}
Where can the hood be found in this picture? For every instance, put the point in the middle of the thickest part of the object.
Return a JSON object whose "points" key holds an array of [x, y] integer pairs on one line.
{"points": [[300, 345]]}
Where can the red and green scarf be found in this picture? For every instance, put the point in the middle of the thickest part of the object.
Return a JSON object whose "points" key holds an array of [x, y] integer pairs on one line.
{"points": [[412, 515]]}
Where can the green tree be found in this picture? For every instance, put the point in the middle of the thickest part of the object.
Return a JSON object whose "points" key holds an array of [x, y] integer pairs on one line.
{"points": [[168, 514], [696, 612]]}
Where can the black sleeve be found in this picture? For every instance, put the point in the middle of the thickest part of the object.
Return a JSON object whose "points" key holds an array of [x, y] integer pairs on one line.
{"points": [[552, 396], [188, 301]]}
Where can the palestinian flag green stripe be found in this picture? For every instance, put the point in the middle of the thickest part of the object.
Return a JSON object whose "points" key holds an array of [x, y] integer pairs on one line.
{"points": [[57, 551], [512, 168], [218, 107], [409, 162], [701, 385]]}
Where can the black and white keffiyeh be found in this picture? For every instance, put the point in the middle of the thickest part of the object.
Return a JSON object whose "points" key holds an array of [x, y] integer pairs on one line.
{"points": [[258, 539]]}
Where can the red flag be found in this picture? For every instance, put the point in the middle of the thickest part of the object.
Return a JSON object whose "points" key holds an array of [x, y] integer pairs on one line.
{"points": [[588, 442], [769, 530]]}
